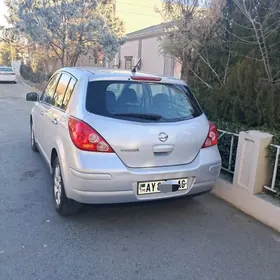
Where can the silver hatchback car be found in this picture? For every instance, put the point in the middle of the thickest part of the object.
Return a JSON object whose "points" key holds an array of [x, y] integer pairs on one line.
{"points": [[111, 136]]}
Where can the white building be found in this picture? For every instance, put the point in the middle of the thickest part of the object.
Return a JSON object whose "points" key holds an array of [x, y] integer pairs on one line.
{"points": [[144, 45]]}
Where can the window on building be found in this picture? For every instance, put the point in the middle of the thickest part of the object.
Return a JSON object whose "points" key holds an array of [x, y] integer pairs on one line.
{"points": [[128, 62]]}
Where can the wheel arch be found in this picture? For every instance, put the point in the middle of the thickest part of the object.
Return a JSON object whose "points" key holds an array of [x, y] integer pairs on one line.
{"points": [[59, 152], [54, 155]]}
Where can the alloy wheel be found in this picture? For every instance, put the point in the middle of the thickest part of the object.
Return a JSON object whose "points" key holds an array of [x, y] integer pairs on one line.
{"points": [[57, 188]]}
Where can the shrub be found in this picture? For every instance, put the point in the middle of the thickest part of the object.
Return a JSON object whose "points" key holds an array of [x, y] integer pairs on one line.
{"points": [[28, 74]]}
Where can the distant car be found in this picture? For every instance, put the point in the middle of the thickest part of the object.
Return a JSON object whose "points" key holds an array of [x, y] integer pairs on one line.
{"points": [[7, 75], [110, 136]]}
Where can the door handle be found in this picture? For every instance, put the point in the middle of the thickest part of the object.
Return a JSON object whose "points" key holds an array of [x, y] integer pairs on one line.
{"points": [[164, 148], [54, 121], [42, 113]]}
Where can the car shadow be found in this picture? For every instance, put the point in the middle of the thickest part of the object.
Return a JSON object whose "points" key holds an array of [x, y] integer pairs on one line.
{"points": [[140, 213], [5, 82]]}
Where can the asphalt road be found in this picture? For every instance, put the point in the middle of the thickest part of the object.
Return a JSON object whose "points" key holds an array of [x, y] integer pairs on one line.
{"points": [[201, 238]]}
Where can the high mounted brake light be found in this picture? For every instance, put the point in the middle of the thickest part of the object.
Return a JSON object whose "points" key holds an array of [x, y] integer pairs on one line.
{"points": [[148, 79]]}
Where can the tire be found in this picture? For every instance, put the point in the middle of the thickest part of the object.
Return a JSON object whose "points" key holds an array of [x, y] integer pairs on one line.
{"points": [[63, 205], [32, 139]]}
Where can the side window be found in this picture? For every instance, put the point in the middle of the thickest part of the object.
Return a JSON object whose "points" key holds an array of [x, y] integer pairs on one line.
{"points": [[61, 89], [68, 93], [50, 90], [138, 89], [173, 99], [116, 88], [158, 88]]}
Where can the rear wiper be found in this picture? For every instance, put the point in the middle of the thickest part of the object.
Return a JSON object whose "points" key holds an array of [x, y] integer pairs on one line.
{"points": [[152, 117]]}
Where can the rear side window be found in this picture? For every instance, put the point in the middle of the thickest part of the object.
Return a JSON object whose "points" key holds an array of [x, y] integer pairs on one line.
{"points": [[141, 101], [68, 93], [6, 69], [50, 90], [60, 90]]}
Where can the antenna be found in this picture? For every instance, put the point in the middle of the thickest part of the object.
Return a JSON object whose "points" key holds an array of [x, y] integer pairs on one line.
{"points": [[136, 66]]}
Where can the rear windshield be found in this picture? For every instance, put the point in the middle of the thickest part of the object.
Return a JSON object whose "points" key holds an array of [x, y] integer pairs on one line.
{"points": [[6, 69], [141, 101]]}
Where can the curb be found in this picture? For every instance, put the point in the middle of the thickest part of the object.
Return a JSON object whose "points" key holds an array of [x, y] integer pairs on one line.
{"points": [[25, 84], [260, 209], [29, 86]]}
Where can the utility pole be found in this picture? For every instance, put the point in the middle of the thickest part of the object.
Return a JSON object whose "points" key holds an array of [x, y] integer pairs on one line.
{"points": [[115, 6], [11, 50]]}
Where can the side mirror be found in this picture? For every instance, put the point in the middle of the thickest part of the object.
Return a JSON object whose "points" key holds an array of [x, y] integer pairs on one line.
{"points": [[32, 96]]}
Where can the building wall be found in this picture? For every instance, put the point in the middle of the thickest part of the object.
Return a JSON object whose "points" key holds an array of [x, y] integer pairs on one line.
{"points": [[128, 49], [153, 61]]}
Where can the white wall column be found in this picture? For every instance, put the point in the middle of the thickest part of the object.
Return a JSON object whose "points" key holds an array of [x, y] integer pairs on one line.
{"points": [[252, 167]]}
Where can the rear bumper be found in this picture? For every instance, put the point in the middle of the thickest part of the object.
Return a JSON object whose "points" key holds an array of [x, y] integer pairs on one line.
{"points": [[130, 196], [8, 78], [110, 181]]}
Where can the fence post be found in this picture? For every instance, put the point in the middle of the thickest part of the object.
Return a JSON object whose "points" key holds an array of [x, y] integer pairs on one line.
{"points": [[252, 167]]}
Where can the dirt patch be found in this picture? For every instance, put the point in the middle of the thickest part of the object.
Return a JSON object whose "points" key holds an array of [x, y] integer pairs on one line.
{"points": [[29, 174]]}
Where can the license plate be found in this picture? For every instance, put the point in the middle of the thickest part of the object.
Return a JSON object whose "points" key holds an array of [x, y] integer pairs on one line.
{"points": [[152, 187]]}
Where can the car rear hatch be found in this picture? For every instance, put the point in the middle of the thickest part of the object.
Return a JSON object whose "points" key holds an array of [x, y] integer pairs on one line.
{"points": [[6, 71], [147, 124]]}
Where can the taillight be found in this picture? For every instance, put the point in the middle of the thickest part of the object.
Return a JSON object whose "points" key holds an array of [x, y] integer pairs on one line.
{"points": [[85, 138], [145, 78], [212, 137]]}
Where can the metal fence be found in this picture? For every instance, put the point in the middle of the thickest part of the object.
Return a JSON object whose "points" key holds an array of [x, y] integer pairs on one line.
{"points": [[272, 188], [228, 149]]}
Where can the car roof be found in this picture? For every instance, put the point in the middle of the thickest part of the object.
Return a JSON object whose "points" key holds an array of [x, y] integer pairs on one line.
{"points": [[101, 73]]}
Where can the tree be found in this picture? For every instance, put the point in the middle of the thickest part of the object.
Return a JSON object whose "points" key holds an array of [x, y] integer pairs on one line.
{"points": [[9, 45], [68, 28], [191, 27], [230, 55]]}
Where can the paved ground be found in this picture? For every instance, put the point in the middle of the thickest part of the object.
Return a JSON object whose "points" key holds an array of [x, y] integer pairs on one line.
{"points": [[202, 238]]}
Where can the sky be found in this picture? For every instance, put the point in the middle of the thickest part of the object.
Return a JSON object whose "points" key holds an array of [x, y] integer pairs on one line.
{"points": [[136, 14], [3, 12]]}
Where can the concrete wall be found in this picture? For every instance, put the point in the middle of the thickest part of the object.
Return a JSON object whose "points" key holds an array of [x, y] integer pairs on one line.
{"points": [[260, 207], [16, 67], [252, 166], [252, 173]]}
